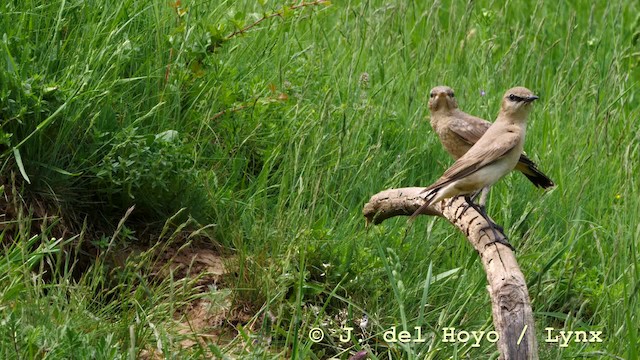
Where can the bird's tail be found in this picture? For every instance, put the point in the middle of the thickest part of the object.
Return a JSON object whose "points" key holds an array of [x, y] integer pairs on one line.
{"points": [[428, 198], [530, 170]]}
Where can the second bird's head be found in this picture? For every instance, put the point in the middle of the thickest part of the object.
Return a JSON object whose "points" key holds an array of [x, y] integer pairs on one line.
{"points": [[441, 98], [517, 101]]}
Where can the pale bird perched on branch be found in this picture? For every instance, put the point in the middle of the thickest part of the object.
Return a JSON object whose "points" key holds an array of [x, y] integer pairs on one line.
{"points": [[458, 131], [494, 154]]}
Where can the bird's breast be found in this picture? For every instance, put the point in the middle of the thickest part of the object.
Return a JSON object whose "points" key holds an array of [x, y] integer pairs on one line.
{"points": [[452, 142]]}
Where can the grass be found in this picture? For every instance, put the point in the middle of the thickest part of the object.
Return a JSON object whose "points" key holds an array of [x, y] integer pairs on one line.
{"points": [[272, 140]]}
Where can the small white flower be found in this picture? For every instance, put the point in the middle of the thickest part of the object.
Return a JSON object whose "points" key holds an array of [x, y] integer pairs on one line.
{"points": [[364, 322]]}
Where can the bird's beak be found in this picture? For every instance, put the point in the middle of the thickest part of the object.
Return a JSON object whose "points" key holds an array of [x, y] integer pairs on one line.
{"points": [[531, 98], [442, 95]]}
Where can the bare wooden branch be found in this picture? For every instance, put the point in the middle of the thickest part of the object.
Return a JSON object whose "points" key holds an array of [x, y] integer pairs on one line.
{"points": [[512, 314], [395, 202]]}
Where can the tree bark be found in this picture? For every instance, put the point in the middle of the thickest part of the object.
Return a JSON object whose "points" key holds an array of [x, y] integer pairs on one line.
{"points": [[511, 308]]}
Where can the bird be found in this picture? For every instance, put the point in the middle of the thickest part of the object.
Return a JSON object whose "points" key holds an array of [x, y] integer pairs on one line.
{"points": [[494, 154], [458, 131]]}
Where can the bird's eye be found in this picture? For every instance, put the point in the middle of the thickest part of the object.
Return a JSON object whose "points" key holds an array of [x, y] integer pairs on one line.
{"points": [[514, 98], [451, 94], [432, 95]]}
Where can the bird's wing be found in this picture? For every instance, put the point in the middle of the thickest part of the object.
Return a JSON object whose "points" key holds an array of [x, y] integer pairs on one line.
{"points": [[477, 157], [468, 128]]}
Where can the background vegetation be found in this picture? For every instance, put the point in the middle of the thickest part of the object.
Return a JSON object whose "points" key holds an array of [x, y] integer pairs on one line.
{"points": [[265, 143]]}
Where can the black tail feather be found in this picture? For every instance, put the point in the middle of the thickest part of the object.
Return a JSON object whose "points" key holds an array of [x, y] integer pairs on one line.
{"points": [[537, 177]]}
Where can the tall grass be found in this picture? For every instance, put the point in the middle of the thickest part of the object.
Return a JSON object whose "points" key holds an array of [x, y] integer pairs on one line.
{"points": [[280, 134]]}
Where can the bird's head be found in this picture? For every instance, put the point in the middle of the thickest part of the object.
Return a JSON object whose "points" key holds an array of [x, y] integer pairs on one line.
{"points": [[441, 98], [517, 101]]}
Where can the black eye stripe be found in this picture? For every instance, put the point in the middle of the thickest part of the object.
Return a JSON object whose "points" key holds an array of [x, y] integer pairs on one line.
{"points": [[513, 97]]}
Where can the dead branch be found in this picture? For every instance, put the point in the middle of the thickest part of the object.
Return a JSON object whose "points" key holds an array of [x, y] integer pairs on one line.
{"points": [[512, 314]]}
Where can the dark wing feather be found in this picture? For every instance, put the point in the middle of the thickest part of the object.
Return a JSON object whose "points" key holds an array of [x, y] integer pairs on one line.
{"points": [[476, 158]]}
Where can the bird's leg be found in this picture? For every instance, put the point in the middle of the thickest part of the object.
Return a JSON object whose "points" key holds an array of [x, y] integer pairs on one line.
{"points": [[498, 239], [481, 210], [465, 207], [495, 228], [493, 223], [484, 193]]}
